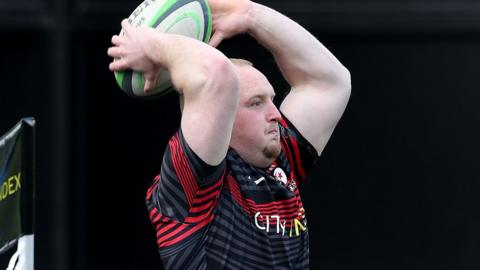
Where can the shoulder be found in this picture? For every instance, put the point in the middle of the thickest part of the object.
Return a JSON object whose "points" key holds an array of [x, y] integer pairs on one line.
{"points": [[291, 138], [299, 152]]}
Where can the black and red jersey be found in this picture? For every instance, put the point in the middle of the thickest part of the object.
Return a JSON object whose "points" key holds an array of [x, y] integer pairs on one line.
{"points": [[234, 215]]}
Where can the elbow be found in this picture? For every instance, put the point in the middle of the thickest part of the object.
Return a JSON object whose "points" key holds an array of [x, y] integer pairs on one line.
{"points": [[220, 68], [212, 73], [336, 78], [222, 77], [215, 78], [345, 79], [345, 84], [342, 84]]}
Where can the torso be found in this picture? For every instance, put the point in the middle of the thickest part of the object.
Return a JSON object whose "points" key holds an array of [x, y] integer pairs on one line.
{"points": [[259, 219]]}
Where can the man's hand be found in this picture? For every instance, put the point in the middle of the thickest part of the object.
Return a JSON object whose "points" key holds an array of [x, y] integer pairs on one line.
{"points": [[131, 51], [230, 17]]}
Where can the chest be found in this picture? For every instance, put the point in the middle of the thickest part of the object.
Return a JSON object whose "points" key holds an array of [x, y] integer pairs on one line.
{"points": [[268, 197]]}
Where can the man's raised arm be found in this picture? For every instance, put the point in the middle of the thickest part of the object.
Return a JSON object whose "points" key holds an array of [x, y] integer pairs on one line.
{"points": [[320, 83], [199, 72]]}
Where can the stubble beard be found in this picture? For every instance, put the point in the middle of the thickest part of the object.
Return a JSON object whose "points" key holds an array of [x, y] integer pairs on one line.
{"points": [[272, 150]]}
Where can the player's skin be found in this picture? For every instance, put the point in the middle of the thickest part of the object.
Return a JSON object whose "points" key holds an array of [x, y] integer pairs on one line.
{"points": [[228, 104]]}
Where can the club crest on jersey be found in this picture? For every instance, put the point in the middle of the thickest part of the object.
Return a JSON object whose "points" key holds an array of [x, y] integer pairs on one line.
{"points": [[280, 175], [292, 185]]}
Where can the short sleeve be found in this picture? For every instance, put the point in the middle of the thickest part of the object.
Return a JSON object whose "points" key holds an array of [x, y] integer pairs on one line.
{"points": [[181, 202], [300, 153]]}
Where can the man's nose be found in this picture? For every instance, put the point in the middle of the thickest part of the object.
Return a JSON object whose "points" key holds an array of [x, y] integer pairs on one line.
{"points": [[273, 113]]}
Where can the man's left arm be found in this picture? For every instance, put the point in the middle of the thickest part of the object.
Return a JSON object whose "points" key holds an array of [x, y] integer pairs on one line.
{"points": [[320, 84]]}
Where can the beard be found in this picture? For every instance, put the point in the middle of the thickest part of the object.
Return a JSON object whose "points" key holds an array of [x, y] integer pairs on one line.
{"points": [[272, 150]]}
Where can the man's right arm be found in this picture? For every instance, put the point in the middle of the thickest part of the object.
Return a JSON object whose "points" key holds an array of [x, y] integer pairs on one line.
{"points": [[201, 73]]}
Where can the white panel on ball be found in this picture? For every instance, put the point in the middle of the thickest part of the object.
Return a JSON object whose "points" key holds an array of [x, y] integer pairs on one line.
{"points": [[190, 18]]}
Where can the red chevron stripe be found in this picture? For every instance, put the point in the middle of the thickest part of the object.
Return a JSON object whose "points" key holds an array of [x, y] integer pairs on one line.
{"points": [[183, 170], [184, 231], [152, 187], [280, 208], [298, 159]]}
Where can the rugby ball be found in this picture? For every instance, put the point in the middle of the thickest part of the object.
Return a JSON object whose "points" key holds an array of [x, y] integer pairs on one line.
{"points": [[191, 18]]}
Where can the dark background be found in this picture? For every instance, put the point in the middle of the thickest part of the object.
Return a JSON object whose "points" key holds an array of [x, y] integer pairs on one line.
{"points": [[396, 187]]}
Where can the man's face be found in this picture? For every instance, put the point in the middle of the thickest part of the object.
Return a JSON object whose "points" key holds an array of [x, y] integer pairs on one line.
{"points": [[255, 133]]}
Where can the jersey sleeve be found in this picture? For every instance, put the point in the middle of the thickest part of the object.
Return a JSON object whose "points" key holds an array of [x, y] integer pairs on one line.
{"points": [[181, 203], [300, 153]]}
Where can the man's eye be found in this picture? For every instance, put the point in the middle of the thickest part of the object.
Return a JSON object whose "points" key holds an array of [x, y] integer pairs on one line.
{"points": [[256, 104]]}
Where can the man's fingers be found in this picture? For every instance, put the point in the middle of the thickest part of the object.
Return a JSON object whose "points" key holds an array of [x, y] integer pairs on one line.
{"points": [[126, 26], [125, 23], [116, 40], [117, 64], [216, 39], [115, 52], [149, 85]]}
